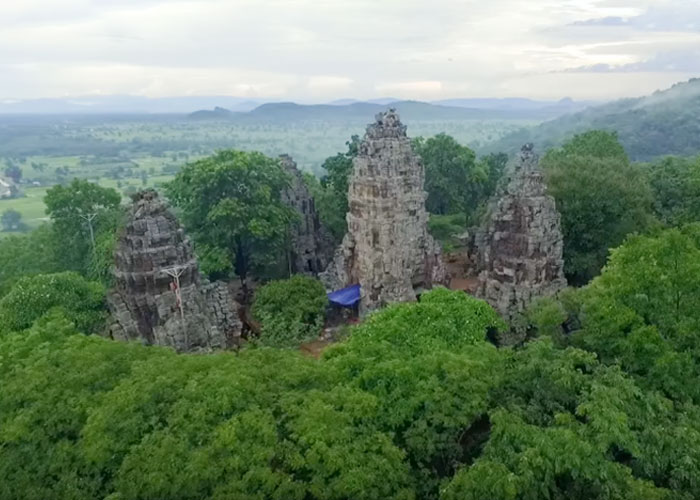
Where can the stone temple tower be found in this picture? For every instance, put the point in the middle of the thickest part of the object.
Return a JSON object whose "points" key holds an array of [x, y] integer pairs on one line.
{"points": [[387, 250], [158, 296], [520, 245], [312, 244]]}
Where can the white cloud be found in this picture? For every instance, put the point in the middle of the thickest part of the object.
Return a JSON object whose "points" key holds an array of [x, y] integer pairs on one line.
{"points": [[320, 50], [416, 90]]}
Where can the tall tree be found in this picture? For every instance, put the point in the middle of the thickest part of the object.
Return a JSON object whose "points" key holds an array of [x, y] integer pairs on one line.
{"points": [[231, 204], [453, 179], [494, 165], [675, 183], [81, 213], [601, 197], [332, 202]]}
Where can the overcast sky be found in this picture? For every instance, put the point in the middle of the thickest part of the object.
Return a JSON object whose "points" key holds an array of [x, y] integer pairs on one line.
{"points": [[317, 50]]}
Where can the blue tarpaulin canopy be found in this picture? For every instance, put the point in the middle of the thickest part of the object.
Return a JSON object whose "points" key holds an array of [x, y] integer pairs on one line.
{"points": [[346, 297]]}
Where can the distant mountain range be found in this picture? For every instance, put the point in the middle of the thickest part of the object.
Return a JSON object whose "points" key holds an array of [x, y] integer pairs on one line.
{"points": [[214, 107], [664, 123], [349, 110]]}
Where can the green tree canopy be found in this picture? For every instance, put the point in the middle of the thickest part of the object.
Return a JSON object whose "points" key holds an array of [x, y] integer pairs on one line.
{"points": [[414, 405], [453, 179], [339, 167], [230, 202], [32, 297], [332, 200], [82, 213], [675, 183], [494, 165], [290, 311], [601, 197], [600, 144], [27, 255]]}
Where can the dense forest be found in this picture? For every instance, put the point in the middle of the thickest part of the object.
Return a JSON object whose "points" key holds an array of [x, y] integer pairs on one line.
{"points": [[416, 402], [663, 123]]}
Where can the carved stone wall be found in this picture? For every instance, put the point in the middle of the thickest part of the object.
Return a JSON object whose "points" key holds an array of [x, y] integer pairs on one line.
{"points": [[312, 244], [387, 249], [520, 246], [143, 301]]}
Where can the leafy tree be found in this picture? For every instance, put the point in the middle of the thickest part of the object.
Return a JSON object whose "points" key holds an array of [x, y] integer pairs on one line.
{"points": [[554, 400], [453, 179], [641, 312], [30, 298], [28, 255], [331, 207], [593, 144], [332, 200], [616, 200], [290, 311], [675, 183], [415, 404], [339, 167], [81, 213], [494, 165], [231, 204], [11, 220]]}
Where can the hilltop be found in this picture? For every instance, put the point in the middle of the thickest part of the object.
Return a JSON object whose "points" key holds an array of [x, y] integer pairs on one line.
{"points": [[664, 123]]}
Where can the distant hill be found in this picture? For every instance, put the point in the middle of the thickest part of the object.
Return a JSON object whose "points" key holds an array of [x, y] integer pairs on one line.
{"points": [[348, 111], [664, 123], [381, 100], [215, 114], [125, 104]]}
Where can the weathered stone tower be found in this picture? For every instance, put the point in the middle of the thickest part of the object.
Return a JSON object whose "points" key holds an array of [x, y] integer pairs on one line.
{"points": [[312, 245], [387, 249], [520, 246], [158, 297]]}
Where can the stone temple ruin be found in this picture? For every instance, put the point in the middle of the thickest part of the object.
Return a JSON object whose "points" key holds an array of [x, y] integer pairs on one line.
{"points": [[158, 296], [312, 244], [520, 246], [387, 249]]}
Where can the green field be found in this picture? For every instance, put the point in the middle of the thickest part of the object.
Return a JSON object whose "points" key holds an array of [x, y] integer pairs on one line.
{"points": [[32, 207], [131, 154]]}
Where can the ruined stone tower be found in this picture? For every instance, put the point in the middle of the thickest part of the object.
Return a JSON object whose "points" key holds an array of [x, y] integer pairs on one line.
{"points": [[387, 249], [520, 245], [151, 251], [312, 245]]}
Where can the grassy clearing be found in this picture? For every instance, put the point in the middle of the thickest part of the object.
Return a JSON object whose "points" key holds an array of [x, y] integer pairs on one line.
{"points": [[31, 206]]}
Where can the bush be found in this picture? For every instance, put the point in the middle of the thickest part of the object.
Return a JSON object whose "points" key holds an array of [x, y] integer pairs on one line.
{"points": [[291, 311], [31, 298]]}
